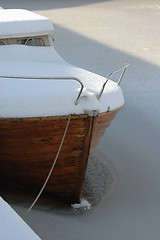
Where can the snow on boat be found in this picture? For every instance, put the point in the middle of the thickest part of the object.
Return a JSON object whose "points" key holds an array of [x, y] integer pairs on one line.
{"points": [[52, 114]]}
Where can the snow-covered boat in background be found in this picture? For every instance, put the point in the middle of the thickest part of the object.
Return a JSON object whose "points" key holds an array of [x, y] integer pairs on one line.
{"points": [[41, 94]]}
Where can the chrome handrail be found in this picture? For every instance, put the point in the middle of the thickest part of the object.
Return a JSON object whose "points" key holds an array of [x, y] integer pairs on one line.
{"points": [[110, 75], [51, 78]]}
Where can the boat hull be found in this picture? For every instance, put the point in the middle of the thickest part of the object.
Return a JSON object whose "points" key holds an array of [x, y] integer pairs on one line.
{"points": [[28, 148]]}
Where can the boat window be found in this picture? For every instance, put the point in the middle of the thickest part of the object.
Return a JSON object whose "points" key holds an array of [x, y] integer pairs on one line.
{"points": [[31, 42]]}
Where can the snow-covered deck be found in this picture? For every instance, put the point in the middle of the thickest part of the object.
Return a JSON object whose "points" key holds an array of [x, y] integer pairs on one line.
{"points": [[37, 98]]}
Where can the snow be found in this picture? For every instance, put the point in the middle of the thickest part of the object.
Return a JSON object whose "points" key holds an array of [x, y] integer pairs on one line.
{"points": [[84, 204], [100, 36], [12, 226], [37, 98], [20, 22]]}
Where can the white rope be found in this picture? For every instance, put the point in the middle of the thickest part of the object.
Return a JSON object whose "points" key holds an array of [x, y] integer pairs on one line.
{"points": [[51, 170]]}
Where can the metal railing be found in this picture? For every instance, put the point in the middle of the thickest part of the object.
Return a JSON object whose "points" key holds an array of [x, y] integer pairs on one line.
{"points": [[51, 78], [75, 79], [110, 75]]}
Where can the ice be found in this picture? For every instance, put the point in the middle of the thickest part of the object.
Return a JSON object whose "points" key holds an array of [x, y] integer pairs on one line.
{"points": [[84, 204]]}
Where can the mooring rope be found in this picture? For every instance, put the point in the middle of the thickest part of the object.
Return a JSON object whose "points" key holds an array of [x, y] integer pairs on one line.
{"points": [[51, 170]]}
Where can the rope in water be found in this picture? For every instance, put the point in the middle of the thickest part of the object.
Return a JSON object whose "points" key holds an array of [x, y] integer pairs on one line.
{"points": [[51, 170]]}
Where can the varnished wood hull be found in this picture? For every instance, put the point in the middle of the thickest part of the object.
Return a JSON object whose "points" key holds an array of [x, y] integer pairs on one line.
{"points": [[28, 148]]}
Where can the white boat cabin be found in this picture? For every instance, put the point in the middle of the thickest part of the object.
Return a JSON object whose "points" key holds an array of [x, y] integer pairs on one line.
{"points": [[19, 26]]}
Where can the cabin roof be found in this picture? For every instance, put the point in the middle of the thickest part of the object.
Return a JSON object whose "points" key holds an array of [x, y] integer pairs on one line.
{"points": [[22, 23]]}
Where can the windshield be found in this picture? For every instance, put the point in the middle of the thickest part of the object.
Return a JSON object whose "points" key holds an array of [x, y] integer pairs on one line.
{"points": [[30, 41]]}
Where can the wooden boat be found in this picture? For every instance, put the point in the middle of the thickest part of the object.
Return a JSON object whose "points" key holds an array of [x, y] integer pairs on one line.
{"points": [[29, 144]]}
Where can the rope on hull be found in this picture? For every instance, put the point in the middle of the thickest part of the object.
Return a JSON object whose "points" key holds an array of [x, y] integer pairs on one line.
{"points": [[51, 170]]}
